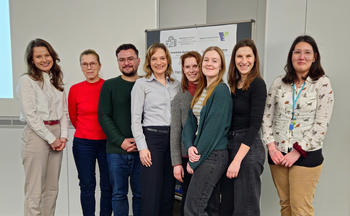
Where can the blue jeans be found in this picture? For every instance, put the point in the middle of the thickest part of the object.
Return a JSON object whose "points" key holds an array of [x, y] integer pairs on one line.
{"points": [[121, 167], [85, 153]]}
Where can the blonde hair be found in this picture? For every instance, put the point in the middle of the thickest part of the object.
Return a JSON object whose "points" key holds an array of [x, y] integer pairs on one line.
{"points": [[203, 81], [150, 52]]}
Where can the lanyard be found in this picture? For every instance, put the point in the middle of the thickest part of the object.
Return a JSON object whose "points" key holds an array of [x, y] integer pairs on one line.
{"points": [[291, 126]]}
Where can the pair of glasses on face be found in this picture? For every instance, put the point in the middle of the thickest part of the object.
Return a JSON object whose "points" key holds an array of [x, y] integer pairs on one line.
{"points": [[128, 59], [308, 54], [90, 64]]}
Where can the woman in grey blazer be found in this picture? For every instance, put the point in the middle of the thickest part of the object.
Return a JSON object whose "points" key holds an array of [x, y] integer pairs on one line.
{"points": [[179, 111]]}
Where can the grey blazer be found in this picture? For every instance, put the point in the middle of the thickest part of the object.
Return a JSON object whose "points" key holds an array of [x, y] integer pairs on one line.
{"points": [[180, 106]]}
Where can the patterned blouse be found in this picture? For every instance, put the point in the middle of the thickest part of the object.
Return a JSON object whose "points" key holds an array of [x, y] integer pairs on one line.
{"points": [[313, 110]]}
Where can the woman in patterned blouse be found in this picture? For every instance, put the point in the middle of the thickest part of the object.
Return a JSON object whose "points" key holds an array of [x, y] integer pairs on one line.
{"points": [[297, 112]]}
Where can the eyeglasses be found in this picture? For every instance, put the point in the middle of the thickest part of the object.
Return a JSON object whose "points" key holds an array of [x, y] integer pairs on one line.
{"points": [[307, 53], [91, 64], [128, 59]]}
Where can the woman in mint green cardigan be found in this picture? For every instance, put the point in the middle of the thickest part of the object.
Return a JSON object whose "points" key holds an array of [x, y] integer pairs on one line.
{"points": [[205, 134]]}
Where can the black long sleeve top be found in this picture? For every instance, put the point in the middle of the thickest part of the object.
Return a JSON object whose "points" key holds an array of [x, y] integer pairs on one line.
{"points": [[248, 109]]}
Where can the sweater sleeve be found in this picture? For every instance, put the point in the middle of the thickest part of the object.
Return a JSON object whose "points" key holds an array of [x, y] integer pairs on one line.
{"points": [[64, 118], [313, 138], [175, 131], [257, 105], [105, 116], [72, 105], [215, 123]]}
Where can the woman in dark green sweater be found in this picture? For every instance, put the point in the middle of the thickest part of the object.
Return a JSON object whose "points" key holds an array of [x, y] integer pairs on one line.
{"points": [[205, 133]]}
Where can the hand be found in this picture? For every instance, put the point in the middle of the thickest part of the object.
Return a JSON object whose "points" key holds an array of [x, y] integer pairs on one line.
{"points": [[55, 144], [63, 144], [189, 169], [145, 157], [178, 172], [193, 154], [233, 169], [274, 153], [129, 145], [290, 158]]}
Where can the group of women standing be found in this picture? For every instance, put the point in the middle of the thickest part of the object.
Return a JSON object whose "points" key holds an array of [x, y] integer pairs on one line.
{"points": [[202, 132]]}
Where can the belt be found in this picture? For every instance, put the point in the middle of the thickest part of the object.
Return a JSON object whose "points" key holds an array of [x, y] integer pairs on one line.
{"points": [[164, 131], [52, 122], [236, 132]]}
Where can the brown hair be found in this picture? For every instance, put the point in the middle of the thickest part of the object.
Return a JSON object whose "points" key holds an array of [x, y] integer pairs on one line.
{"points": [[90, 52], [150, 52], [316, 71], [191, 54], [203, 81], [35, 73], [233, 73]]}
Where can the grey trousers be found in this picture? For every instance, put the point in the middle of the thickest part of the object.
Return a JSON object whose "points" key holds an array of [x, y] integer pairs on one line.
{"points": [[201, 200], [42, 168], [241, 195]]}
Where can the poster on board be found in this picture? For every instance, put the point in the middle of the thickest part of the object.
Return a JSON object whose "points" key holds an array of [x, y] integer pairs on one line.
{"points": [[180, 41]]}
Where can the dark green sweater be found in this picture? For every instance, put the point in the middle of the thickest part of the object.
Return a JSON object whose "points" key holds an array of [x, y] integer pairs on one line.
{"points": [[114, 113], [215, 122]]}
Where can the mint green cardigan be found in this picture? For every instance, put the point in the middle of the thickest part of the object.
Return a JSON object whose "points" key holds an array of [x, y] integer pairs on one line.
{"points": [[214, 125]]}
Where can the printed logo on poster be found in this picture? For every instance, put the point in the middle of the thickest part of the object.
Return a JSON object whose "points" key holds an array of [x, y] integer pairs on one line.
{"points": [[223, 35], [170, 42]]}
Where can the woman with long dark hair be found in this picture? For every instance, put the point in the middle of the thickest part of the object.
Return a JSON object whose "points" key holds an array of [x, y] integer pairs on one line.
{"points": [[241, 188], [44, 109], [89, 144], [179, 111], [151, 99], [297, 113]]}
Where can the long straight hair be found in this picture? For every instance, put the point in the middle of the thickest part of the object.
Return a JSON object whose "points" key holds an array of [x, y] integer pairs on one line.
{"points": [[35, 73], [203, 81], [233, 74]]}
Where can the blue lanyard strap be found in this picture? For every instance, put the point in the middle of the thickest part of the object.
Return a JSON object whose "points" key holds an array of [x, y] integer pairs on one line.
{"points": [[295, 99]]}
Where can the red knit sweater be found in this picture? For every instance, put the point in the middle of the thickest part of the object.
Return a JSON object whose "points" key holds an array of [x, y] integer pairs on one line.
{"points": [[83, 106]]}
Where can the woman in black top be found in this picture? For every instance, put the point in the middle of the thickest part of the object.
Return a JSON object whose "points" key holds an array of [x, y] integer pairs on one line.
{"points": [[241, 187]]}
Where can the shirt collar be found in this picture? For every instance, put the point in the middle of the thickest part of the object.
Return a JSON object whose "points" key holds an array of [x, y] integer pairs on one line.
{"points": [[152, 77]]}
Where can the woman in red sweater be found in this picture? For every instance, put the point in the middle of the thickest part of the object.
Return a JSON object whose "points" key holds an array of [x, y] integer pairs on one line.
{"points": [[89, 142]]}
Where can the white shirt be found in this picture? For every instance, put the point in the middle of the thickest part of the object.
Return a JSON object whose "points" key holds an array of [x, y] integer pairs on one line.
{"points": [[150, 106], [313, 111], [41, 101]]}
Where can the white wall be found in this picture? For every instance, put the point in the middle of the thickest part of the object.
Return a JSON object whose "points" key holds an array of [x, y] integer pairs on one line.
{"points": [[328, 24], [73, 26]]}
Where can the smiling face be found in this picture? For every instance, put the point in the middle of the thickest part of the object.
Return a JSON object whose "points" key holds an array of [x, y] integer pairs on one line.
{"points": [[191, 69], [90, 67], [128, 62], [244, 60], [303, 57], [42, 59], [159, 62], [211, 64]]}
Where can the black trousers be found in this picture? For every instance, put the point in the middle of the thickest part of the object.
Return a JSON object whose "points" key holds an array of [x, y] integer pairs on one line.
{"points": [[185, 184], [241, 195], [157, 181]]}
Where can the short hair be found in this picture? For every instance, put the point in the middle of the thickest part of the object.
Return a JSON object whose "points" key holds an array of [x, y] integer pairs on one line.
{"points": [[150, 52], [190, 54], [90, 52], [126, 47], [35, 73], [233, 73], [316, 71]]}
